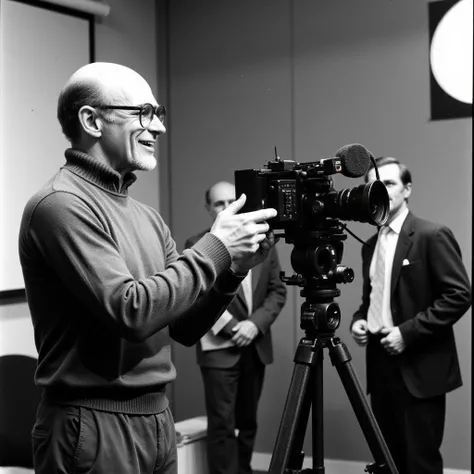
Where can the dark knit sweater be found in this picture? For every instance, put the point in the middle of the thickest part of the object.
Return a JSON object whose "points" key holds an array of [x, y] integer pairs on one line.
{"points": [[106, 290]]}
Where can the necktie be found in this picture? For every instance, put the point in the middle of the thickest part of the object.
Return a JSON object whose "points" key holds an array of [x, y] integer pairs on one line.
{"points": [[247, 289], [374, 316]]}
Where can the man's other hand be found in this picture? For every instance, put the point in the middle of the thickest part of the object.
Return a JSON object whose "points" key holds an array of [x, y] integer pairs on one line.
{"points": [[243, 265], [359, 332], [244, 333], [393, 341], [245, 234]]}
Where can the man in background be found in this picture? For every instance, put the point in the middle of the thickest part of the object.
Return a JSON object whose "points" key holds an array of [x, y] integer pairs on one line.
{"points": [[107, 289], [415, 288], [233, 355]]}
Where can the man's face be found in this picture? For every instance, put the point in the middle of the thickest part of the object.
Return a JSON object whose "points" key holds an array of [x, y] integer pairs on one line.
{"points": [[398, 192], [126, 143], [220, 196]]}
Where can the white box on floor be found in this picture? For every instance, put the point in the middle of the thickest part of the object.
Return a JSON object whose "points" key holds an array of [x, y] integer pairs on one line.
{"points": [[192, 445]]}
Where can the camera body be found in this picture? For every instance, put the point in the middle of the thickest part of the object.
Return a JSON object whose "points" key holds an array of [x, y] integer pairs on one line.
{"points": [[305, 198], [275, 186]]}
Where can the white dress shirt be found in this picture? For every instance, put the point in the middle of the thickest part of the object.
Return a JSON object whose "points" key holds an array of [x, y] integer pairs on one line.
{"points": [[392, 240]]}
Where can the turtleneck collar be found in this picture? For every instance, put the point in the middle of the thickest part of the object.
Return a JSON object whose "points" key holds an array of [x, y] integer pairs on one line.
{"points": [[98, 173]]}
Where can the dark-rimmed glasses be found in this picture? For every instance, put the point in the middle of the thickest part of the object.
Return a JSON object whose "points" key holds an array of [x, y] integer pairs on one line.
{"points": [[146, 112]]}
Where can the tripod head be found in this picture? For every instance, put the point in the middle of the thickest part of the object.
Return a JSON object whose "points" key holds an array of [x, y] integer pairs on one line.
{"points": [[316, 258]]}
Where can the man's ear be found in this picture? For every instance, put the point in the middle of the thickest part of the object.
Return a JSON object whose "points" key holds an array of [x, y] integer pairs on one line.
{"points": [[90, 121], [407, 190], [210, 211]]}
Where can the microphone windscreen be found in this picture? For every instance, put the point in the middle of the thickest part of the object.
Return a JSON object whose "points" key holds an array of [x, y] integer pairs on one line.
{"points": [[355, 160]]}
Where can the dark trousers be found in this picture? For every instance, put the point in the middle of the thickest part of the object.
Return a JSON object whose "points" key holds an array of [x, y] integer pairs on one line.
{"points": [[232, 396], [74, 440], [412, 427]]}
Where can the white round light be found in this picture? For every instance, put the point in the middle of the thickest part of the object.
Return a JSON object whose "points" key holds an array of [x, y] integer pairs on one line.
{"points": [[451, 52]]}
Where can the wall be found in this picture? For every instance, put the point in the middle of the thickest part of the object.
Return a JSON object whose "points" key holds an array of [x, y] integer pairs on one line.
{"points": [[309, 77]]}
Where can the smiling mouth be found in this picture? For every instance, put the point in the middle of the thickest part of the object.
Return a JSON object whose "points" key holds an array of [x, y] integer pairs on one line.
{"points": [[147, 144]]}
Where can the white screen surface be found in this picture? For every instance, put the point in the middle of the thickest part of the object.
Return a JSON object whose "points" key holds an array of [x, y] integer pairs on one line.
{"points": [[39, 50]]}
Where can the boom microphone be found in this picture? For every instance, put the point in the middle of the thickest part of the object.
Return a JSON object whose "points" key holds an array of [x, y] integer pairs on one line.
{"points": [[355, 160], [350, 160]]}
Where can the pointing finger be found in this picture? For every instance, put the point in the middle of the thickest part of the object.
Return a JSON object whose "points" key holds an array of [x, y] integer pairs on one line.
{"points": [[260, 215]]}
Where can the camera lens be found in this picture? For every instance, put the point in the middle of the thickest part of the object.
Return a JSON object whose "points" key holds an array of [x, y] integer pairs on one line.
{"points": [[364, 203]]}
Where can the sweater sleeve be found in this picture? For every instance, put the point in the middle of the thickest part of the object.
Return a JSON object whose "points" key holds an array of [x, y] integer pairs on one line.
{"points": [[74, 244], [194, 323], [200, 317]]}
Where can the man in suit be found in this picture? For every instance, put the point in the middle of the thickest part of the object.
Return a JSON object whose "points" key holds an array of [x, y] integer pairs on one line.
{"points": [[415, 288], [233, 355]]}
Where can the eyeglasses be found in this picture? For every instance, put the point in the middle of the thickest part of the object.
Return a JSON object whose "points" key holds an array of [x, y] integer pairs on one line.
{"points": [[146, 112]]}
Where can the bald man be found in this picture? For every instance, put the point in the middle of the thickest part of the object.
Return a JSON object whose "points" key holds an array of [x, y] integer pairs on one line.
{"points": [[107, 289], [232, 356]]}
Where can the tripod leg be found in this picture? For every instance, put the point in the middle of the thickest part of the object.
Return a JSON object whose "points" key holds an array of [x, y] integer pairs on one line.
{"points": [[287, 453], [341, 358], [318, 417]]}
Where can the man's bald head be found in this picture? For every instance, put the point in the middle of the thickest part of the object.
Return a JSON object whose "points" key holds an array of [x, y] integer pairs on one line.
{"points": [[109, 72], [99, 84]]}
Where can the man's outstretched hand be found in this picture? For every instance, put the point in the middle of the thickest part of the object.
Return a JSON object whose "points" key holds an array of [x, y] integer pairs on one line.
{"points": [[247, 236]]}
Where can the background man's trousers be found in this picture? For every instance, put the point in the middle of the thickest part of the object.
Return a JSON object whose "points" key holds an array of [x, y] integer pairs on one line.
{"points": [[232, 396], [412, 427]]}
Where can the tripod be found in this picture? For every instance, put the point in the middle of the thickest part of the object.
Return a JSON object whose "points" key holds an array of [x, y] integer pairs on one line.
{"points": [[319, 318]]}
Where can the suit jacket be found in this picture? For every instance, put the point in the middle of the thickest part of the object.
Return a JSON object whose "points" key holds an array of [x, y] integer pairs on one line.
{"points": [[269, 296], [430, 291]]}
